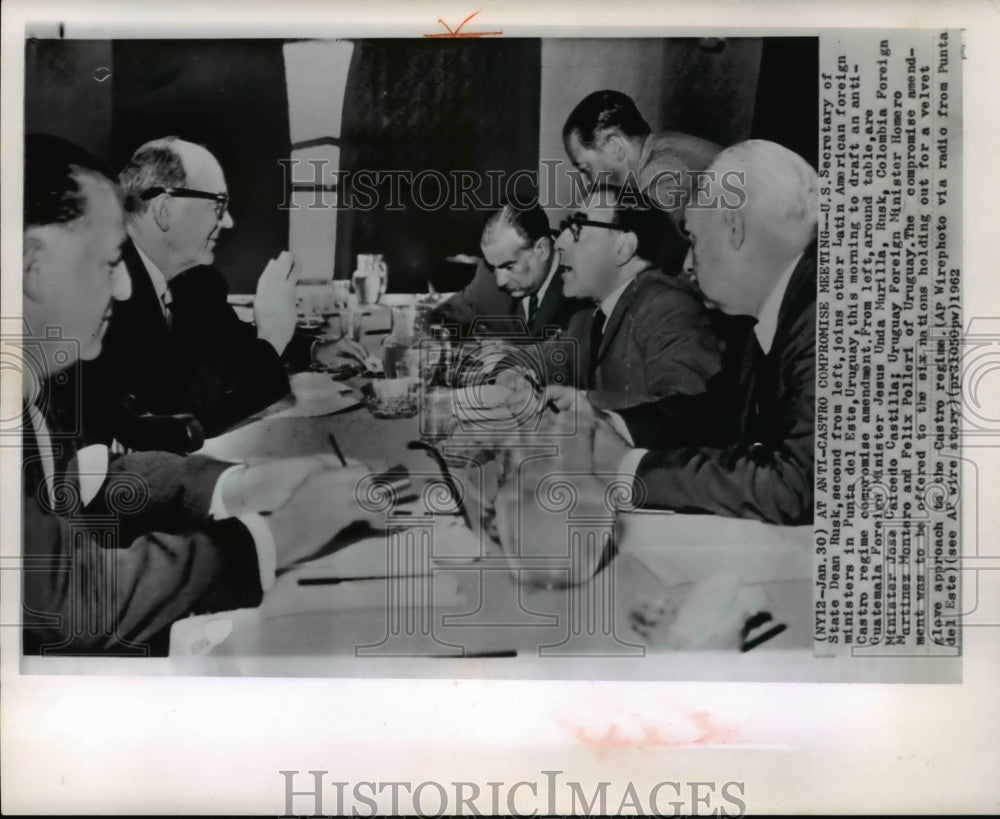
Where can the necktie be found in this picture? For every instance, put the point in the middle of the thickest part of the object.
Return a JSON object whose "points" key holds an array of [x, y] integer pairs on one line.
{"points": [[165, 300], [532, 308], [596, 335]]}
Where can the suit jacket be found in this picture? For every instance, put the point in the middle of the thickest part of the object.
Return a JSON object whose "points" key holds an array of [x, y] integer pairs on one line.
{"points": [[658, 341], [666, 165], [107, 578], [484, 308], [755, 460], [209, 363]]}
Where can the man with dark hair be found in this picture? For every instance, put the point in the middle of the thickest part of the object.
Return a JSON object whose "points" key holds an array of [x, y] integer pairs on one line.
{"points": [[106, 566], [609, 141], [649, 335], [516, 290], [745, 447]]}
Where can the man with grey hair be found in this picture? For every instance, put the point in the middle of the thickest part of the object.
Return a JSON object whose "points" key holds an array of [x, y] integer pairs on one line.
{"points": [[177, 345], [745, 448]]}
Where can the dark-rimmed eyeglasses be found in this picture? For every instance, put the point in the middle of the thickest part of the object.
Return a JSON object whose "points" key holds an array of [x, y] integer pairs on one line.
{"points": [[221, 199], [577, 222]]}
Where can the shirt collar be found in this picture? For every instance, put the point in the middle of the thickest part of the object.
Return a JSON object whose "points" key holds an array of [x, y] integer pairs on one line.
{"points": [[540, 293], [767, 319], [155, 275]]}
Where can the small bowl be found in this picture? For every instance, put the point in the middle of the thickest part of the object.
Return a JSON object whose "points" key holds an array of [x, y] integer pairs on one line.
{"points": [[392, 397]]}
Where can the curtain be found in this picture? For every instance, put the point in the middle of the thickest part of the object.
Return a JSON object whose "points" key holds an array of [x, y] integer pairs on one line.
{"points": [[432, 105]]}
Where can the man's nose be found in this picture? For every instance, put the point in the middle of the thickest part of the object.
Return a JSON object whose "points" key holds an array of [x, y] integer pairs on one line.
{"points": [[227, 220], [121, 283], [503, 276], [688, 268]]}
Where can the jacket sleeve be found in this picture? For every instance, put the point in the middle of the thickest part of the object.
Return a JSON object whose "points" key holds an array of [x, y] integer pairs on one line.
{"points": [[769, 480], [82, 597], [157, 491]]}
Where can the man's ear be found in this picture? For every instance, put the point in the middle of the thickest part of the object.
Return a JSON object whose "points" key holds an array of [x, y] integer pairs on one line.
{"points": [[161, 209], [736, 228], [627, 247], [34, 269], [544, 246], [616, 145]]}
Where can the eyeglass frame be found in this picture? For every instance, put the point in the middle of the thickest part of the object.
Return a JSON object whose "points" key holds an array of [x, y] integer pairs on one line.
{"points": [[576, 223], [221, 199]]}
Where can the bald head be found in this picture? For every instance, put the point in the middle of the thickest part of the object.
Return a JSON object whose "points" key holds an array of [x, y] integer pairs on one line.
{"points": [[756, 210], [169, 185]]}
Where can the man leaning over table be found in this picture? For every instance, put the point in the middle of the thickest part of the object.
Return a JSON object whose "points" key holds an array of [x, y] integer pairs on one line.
{"points": [[176, 344], [745, 448], [117, 549], [517, 287]]}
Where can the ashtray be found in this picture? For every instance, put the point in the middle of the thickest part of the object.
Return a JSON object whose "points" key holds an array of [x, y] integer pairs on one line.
{"points": [[311, 323], [392, 397], [338, 372]]}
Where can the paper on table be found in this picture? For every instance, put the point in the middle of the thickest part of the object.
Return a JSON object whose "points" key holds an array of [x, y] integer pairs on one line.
{"points": [[359, 594], [317, 394], [368, 557], [689, 548]]}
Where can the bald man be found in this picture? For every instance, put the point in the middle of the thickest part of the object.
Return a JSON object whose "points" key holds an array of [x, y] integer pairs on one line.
{"points": [[176, 345], [744, 448]]}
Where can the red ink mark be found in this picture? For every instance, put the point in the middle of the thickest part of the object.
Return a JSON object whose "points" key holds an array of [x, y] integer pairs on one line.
{"points": [[670, 729], [459, 33]]}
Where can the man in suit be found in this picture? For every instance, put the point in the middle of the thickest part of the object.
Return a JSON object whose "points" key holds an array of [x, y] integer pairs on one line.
{"points": [[117, 550], [176, 345], [745, 448], [649, 335], [609, 141], [517, 290]]}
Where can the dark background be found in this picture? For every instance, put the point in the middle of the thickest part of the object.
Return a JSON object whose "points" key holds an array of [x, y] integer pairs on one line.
{"points": [[410, 104]]}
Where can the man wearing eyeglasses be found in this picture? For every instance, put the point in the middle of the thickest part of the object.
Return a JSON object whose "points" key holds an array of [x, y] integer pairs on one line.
{"points": [[176, 345], [517, 290], [744, 448], [648, 334]]}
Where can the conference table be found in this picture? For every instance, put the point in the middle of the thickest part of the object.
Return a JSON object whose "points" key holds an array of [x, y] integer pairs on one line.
{"points": [[425, 594]]}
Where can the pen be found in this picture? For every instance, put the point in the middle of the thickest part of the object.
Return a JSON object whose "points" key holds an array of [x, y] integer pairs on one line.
{"points": [[336, 449], [469, 655], [333, 581]]}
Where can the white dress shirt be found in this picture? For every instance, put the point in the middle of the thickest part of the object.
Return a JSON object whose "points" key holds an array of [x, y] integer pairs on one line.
{"points": [[158, 280]]}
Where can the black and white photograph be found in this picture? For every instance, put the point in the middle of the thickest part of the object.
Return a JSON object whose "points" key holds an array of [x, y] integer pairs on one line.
{"points": [[388, 370], [418, 350]]}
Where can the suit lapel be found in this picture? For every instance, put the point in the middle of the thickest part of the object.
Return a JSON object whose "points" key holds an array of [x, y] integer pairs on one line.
{"points": [[614, 322]]}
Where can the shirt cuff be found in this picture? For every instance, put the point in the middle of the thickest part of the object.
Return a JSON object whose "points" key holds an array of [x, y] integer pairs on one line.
{"points": [[629, 466], [619, 426], [217, 510], [263, 541], [92, 470]]}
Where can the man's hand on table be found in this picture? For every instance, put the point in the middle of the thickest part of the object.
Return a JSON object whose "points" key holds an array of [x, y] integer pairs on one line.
{"points": [[332, 353], [266, 486], [321, 506], [596, 446], [274, 304]]}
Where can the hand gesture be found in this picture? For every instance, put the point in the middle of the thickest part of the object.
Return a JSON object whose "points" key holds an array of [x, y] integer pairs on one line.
{"points": [[274, 304]]}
